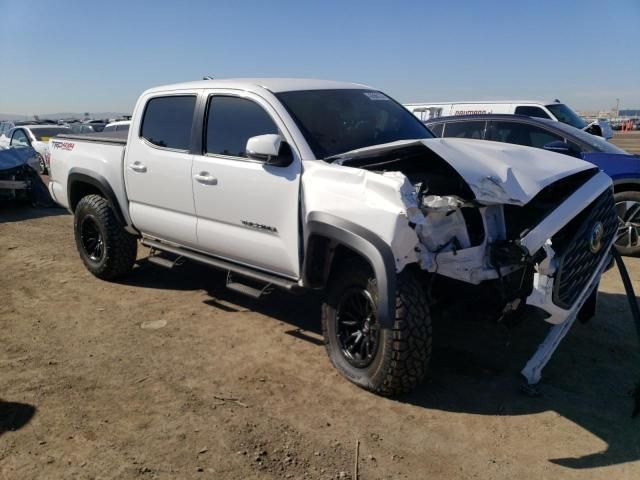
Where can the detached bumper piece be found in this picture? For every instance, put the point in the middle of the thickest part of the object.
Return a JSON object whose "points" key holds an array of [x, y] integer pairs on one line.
{"points": [[580, 253]]}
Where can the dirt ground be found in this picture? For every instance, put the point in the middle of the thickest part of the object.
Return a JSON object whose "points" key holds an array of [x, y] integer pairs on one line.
{"points": [[168, 375]]}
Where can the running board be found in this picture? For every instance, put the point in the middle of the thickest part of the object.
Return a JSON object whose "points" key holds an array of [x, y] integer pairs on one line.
{"points": [[248, 290], [162, 262], [241, 270]]}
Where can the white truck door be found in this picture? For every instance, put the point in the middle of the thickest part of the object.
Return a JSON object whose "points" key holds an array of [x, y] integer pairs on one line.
{"points": [[157, 167], [247, 210]]}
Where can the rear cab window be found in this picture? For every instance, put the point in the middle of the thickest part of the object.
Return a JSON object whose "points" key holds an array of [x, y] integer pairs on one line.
{"points": [[167, 121], [44, 134]]}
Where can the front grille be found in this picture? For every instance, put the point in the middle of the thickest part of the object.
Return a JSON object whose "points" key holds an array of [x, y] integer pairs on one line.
{"points": [[573, 247]]}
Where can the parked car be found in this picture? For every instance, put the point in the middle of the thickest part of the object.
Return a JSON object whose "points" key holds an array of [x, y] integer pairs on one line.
{"points": [[622, 167], [19, 179], [81, 128], [119, 126], [36, 137], [556, 111], [307, 184]]}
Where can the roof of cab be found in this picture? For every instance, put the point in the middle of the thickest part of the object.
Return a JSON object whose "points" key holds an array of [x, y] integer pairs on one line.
{"points": [[274, 85]]}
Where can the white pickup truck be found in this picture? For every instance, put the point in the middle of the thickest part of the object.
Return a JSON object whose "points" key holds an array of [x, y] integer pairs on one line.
{"points": [[306, 184]]}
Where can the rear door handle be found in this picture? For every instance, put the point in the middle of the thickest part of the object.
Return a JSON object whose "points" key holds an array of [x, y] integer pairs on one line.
{"points": [[205, 178], [138, 167]]}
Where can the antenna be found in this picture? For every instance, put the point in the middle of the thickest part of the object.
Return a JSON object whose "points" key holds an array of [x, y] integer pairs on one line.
{"points": [[207, 77]]}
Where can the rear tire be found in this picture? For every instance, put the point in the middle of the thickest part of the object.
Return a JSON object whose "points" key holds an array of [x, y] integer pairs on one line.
{"points": [[105, 248], [628, 210], [401, 354]]}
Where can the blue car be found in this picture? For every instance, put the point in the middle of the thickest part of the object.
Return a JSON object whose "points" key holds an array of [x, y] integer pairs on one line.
{"points": [[621, 166]]}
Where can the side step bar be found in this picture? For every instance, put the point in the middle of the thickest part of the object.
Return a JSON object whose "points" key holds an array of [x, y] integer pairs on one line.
{"points": [[241, 270], [163, 262]]}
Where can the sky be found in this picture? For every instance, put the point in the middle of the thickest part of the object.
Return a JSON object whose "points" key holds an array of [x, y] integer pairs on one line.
{"points": [[84, 56]]}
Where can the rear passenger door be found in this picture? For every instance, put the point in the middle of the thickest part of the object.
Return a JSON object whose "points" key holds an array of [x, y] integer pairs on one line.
{"points": [[248, 211], [157, 167]]}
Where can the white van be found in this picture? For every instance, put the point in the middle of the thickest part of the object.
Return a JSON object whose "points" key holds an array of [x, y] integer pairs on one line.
{"points": [[555, 110]]}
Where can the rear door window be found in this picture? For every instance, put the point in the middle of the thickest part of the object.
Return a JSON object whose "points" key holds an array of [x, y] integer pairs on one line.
{"points": [[231, 121], [436, 129], [471, 129], [522, 134], [167, 121], [531, 111]]}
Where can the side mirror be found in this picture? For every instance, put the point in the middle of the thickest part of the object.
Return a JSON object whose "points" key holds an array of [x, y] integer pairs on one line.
{"points": [[562, 147], [270, 149]]}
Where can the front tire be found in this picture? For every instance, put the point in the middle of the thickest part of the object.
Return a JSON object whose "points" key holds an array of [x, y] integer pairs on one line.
{"points": [[628, 210], [381, 360], [105, 248]]}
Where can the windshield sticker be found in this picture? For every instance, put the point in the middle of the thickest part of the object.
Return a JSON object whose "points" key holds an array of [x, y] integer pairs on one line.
{"points": [[376, 96]]}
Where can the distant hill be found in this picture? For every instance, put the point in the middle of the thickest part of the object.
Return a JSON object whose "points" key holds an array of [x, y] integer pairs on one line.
{"points": [[60, 115]]}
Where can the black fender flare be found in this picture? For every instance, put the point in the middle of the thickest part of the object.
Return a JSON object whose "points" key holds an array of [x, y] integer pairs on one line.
{"points": [[81, 175], [367, 244]]}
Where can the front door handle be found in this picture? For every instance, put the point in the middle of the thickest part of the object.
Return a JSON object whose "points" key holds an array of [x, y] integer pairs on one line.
{"points": [[138, 167], [205, 178]]}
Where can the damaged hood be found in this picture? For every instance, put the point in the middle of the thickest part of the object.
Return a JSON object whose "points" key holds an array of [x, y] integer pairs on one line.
{"points": [[497, 173], [15, 157], [504, 173]]}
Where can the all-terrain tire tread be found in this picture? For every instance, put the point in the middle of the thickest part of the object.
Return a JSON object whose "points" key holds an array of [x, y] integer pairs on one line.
{"points": [[412, 337], [120, 247]]}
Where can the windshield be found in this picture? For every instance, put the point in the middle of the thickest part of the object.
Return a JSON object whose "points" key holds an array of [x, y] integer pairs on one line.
{"points": [[598, 144], [565, 115], [338, 121], [43, 134]]}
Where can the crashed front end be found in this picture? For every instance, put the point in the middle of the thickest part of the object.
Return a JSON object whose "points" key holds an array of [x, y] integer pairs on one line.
{"points": [[469, 212], [18, 179]]}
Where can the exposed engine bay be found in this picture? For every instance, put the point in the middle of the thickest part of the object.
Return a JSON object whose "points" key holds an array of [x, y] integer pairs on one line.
{"points": [[509, 227], [521, 240]]}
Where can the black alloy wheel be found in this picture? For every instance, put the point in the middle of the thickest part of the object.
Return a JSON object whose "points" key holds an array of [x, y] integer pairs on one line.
{"points": [[357, 328]]}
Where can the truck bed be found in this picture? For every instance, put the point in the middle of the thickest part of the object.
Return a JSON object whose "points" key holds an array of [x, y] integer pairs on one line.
{"points": [[119, 138]]}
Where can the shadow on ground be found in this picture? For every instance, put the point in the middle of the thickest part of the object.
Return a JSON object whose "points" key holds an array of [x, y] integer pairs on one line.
{"points": [[475, 364], [16, 212], [14, 416]]}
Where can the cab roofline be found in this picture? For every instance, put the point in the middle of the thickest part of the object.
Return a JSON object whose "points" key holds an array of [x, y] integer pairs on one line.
{"points": [[274, 85]]}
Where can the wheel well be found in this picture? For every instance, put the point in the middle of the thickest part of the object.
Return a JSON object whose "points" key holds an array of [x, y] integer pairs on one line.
{"points": [[626, 187], [78, 190], [324, 256]]}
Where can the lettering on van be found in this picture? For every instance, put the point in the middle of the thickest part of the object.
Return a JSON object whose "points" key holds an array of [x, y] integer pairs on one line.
{"points": [[470, 112], [58, 145]]}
